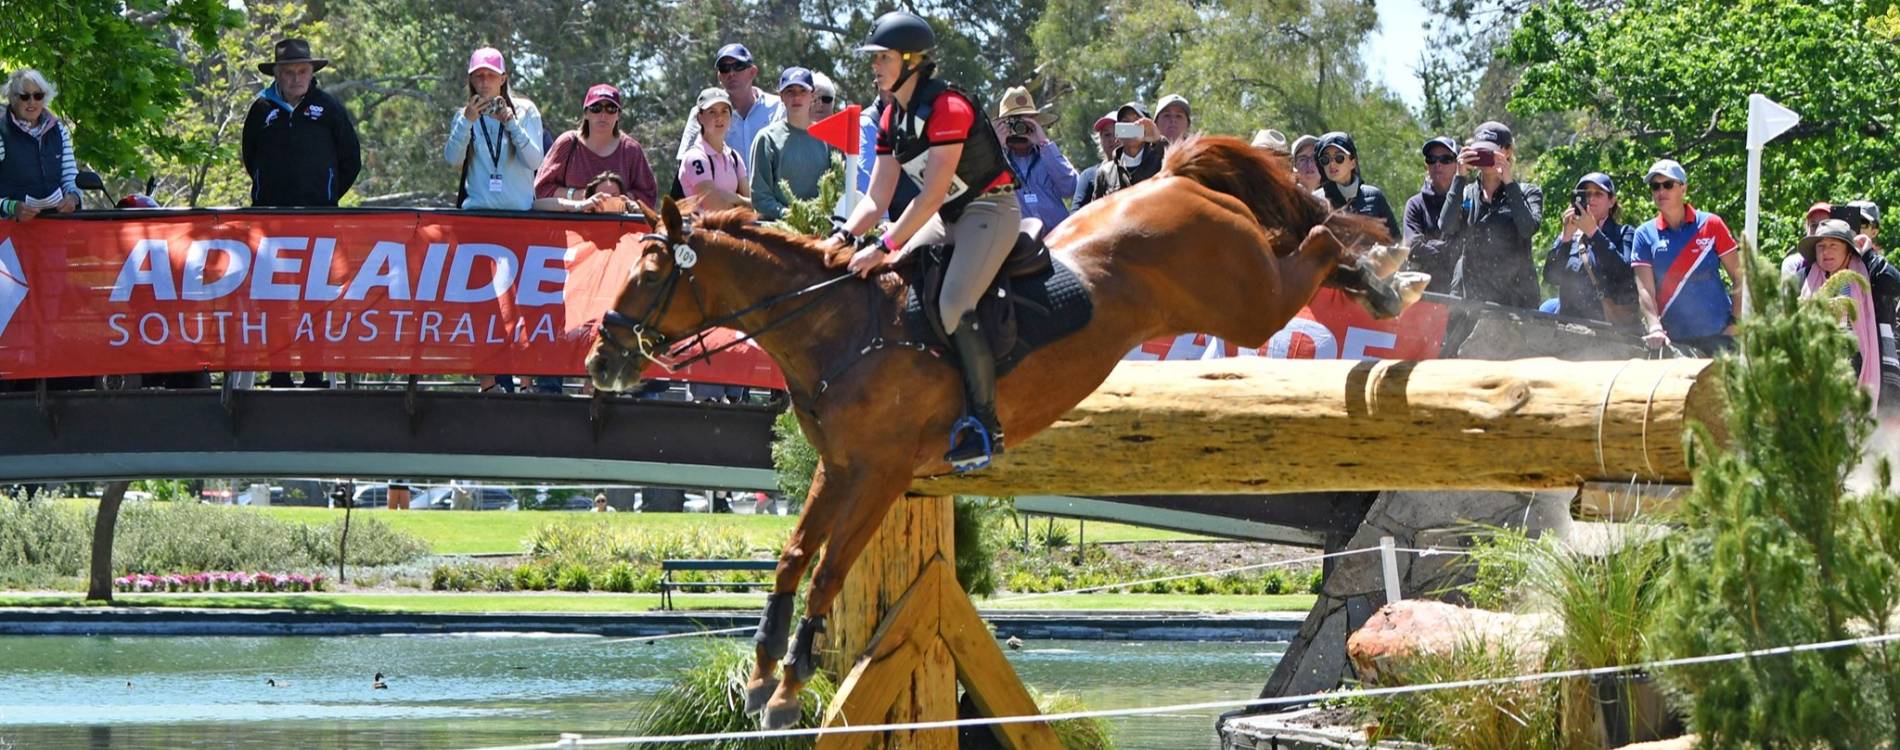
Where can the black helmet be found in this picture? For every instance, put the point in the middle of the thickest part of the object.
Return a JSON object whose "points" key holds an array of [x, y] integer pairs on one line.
{"points": [[900, 32]]}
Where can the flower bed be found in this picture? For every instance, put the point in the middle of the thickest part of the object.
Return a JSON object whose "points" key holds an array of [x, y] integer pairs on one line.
{"points": [[215, 582]]}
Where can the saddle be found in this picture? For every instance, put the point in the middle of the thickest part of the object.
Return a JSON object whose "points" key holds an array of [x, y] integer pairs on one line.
{"points": [[1032, 302]]}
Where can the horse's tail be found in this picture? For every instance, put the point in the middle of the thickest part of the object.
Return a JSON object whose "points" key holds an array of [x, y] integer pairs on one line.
{"points": [[1263, 181]]}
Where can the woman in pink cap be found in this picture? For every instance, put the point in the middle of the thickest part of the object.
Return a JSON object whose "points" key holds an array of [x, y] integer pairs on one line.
{"points": [[495, 139], [597, 147]]}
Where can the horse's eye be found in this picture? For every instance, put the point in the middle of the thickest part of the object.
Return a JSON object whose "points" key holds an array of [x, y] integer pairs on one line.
{"points": [[649, 276]]}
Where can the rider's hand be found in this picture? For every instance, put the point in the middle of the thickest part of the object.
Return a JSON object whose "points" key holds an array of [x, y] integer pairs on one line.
{"points": [[867, 260]]}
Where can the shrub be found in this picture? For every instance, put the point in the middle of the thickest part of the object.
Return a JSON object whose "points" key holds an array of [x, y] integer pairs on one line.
{"points": [[619, 578], [794, 460], [981, 527], [1480, 718], [530, 577], [1075, 734], [1315, 580], [1274, 581], [573, 577], [647, 581], [708, 697]]}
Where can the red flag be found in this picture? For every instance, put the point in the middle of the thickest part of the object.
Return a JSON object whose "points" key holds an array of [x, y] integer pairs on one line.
{"points": [[840, 130]]}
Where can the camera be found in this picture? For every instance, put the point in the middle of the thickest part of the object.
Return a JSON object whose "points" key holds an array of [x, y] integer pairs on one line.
{"points": [[494, 105], [1129, 130], [1851, 214], [1019, 126]]}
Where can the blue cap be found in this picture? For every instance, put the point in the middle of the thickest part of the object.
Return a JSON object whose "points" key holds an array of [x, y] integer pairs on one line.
{"points": [[1601, 180], [1450, 144], [735, 51], [796, 76], [1667, 168]]}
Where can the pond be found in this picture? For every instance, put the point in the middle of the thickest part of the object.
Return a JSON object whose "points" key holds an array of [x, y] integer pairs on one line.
{"points": [[450, 691]]}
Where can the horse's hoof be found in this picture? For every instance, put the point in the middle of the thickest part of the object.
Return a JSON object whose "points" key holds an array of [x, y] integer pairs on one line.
{"points": [[1386, 260], [756, 696], [780, 717], [1411, 286]]}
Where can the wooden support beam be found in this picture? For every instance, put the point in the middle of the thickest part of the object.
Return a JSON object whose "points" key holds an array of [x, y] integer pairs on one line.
{"points": [[1255, 425], [904, 634]]}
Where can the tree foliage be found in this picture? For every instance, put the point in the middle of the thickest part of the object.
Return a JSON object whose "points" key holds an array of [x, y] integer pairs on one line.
{"points": [[1651, 79], [115, 63]]}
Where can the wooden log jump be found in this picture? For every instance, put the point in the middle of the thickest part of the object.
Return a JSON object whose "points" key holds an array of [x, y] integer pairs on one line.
{"points": [[1254, 425]]}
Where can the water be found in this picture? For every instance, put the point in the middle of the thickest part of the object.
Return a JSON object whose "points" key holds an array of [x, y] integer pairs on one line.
{"points": [[468, 691]]}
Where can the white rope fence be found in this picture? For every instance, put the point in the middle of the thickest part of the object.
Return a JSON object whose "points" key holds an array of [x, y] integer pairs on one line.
{"points": [[577, 741]]}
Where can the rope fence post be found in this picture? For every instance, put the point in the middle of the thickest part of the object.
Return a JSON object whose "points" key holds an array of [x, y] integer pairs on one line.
{"points": [[1389, 559]]}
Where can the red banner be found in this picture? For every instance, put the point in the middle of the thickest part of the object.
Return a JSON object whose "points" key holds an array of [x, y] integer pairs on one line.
{"points": [[415, 292], [403, 292]]}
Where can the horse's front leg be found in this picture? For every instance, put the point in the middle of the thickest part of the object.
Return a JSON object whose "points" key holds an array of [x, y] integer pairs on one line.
{"points": [[815, 523], [871, 498]]}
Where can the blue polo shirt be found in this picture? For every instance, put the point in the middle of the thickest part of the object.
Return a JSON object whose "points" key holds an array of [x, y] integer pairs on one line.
{"points": [[1687, 261]]}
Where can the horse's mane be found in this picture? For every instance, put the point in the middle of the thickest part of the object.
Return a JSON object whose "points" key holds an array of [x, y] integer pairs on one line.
{"points": [[740, 229], [1263, 181]]}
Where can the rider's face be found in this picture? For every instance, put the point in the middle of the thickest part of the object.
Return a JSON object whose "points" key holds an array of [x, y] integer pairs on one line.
{"points": [[886, 65]]}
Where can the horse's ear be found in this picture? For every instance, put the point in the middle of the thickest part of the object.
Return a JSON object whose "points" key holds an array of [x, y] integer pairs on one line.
{"points": [[647, 212], [670, 214]]}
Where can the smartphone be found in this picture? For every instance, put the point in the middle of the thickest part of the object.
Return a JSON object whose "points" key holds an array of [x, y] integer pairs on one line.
{"points": [[1850, 214], [1129, 130], [1486, 159]]}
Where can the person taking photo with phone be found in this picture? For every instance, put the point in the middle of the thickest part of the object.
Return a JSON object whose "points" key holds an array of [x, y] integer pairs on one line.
{"points": [[1139, 156], [495, 139], [1490, 221], [1588, 263]]}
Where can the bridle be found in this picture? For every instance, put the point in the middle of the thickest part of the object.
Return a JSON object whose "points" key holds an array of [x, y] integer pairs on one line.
{"points": [[661, 349]]}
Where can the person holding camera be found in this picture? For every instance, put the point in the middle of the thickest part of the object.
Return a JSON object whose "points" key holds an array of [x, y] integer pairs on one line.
{"points": [[1833, 247], [1422, 232], [1045, 175], [1343, 189], [1489, 222], [1140, 150], [1588, 263], [1687, 302], [495, 138]]}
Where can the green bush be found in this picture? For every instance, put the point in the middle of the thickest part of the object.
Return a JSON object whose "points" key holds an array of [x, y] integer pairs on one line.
{"points": [[647, 581], [451, 577], [530, 577], [708, 697], [618, 578], [1315, 580], [599, 542], [1075, 734], [982, 526], [1274, 581], [794, 460], [573, 577]]}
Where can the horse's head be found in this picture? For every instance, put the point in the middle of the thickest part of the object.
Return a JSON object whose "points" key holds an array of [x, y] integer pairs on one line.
{"points": [[648, 317]]}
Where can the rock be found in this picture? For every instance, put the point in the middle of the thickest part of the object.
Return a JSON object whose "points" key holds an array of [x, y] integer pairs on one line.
{"points": [[1403, 631]]}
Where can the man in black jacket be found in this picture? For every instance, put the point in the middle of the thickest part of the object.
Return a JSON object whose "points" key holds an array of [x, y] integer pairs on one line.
{"points": [[300, 147], [1342, 187]]}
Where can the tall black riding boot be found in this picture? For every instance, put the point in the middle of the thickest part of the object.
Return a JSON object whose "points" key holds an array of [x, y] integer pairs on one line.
{"points": [[977, 437]]}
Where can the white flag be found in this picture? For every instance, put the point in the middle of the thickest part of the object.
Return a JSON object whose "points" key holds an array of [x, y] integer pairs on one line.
{"points": [[1766, 120]]}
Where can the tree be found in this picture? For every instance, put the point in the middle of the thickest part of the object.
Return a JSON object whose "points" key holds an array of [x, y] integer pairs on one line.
{"points": [[1670, 78], [119, 78]]}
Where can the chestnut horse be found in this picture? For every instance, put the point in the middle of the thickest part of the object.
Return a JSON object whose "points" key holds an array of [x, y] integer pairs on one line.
{"points": [[1221, 242]]}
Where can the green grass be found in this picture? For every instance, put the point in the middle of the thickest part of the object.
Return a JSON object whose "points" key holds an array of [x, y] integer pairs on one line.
{"points": [[597, 602]]}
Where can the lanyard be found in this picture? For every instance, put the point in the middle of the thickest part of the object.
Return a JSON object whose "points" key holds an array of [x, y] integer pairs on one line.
{"points": [[494, 147]]}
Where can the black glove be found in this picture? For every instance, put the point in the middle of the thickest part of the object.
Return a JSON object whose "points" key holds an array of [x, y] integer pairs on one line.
{"points": [[843, 235]]}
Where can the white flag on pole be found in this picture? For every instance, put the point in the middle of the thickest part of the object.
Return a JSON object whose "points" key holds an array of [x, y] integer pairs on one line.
{"points": [[1766, 120]]}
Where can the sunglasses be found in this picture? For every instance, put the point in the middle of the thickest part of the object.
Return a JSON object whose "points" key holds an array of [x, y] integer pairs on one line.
{"points": [[826, 99], [733, 67], [1303, 162], [34, 96], [598, 108], [1446, 159], [1663, 185], [1335, 159]]}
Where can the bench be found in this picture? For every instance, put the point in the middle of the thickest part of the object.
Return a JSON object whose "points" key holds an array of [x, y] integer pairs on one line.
{"points": [[667, 567]]}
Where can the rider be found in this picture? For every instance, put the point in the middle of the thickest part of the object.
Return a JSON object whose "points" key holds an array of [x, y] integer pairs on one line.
{"points": [[937, 133]]}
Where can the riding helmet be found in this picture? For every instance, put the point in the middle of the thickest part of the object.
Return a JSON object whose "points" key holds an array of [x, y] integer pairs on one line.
{"points": [[900, 32]]}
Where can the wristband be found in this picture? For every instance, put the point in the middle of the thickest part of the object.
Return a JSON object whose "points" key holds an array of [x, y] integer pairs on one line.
{"points": [[885, 242]]}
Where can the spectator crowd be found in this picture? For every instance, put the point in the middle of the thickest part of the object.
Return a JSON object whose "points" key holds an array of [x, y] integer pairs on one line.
{"points": [[1674, 278]]}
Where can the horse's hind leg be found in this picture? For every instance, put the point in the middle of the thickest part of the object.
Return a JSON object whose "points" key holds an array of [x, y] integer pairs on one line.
{"points": [[815, 524], [848, 540]]}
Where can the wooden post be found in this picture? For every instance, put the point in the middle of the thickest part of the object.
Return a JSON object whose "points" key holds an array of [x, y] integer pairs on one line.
{"points": [[903, 635]]}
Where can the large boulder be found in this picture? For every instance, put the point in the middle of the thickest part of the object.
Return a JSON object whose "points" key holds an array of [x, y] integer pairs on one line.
{"points": [[1394, 640]]}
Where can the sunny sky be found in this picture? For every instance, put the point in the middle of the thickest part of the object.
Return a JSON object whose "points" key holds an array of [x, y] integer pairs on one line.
{"points": [[1396, 47]]}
